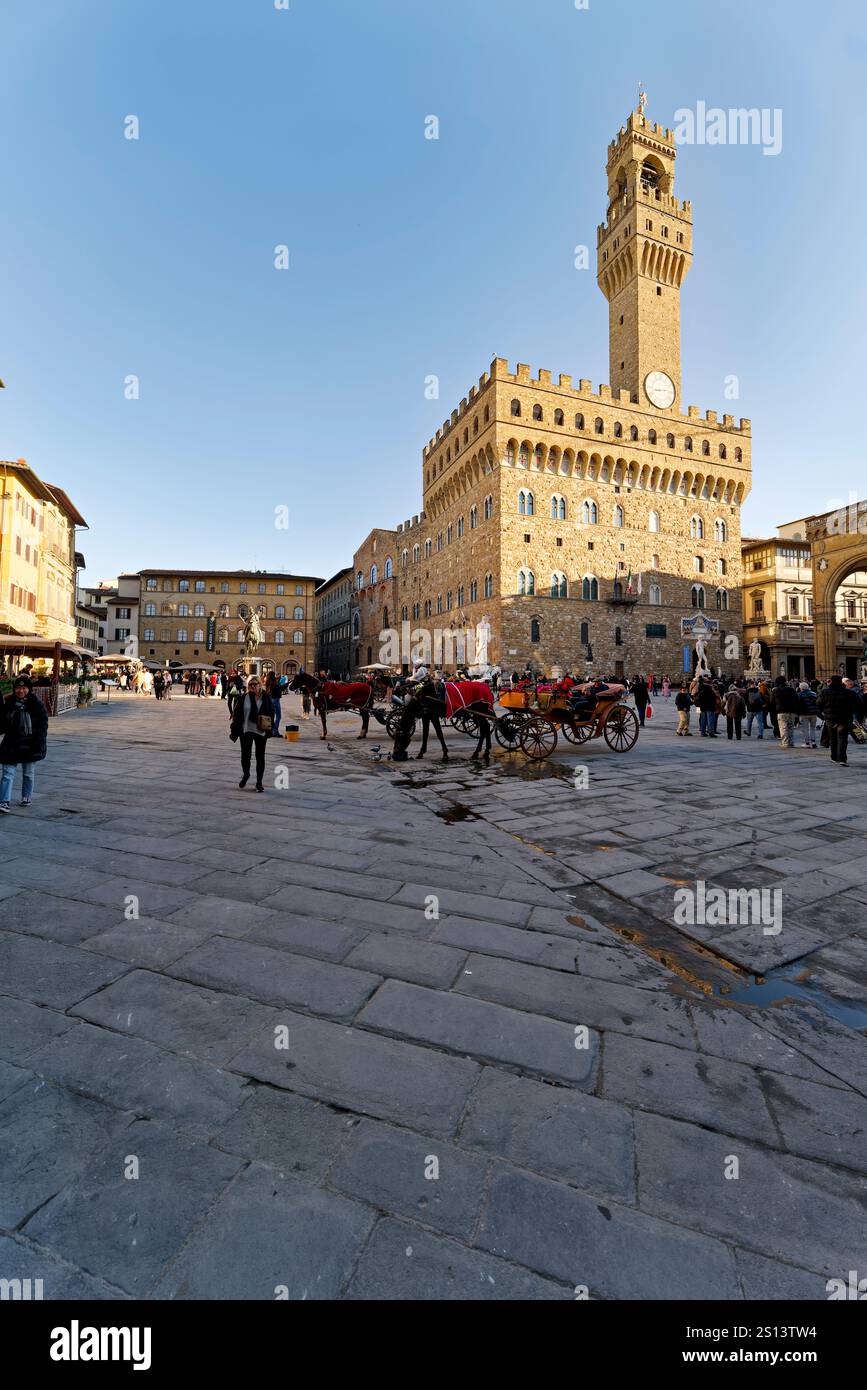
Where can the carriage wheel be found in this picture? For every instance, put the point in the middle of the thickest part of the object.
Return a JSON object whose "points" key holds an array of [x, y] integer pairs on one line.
{"points": [[577, 733], [538, 738], [507, 730], [621, 729], [465, 723]]}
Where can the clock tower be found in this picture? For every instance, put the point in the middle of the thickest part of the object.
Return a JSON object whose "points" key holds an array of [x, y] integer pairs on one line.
{"points": [[644, 250]]}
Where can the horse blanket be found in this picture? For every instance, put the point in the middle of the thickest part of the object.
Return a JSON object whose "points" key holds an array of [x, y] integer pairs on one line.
{"points": [[459, 694], [352, 693]]}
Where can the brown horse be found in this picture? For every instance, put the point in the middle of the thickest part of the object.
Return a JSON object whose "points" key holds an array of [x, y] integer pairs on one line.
{"points": [[336, 695]]}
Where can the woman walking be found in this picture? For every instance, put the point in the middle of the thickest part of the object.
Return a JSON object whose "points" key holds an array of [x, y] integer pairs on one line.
{"points": [[24, 726], [252, 723], [735, 709]]}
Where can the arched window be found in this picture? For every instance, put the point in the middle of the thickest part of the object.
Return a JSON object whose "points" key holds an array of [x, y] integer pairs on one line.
{"points": [[698, 564], [389, 568], [449, 534], [523, 457], [585, 634], [579, 422], [448, 600], [722, 600], [182, 634], [535, 630], [279, 636], [428, 548], [224, 634], [653, 521], [199, 634], [655, 594], [669, 441], [298, 613], [526, 582], [590, 588], [262, 611], [460, 527], [558, 417], [618, 430], [385, 616], [460, 596], [618, 515], [359, 580], [696, 528], [516, 407], [558, 507], [722, 451], [697, 596], [590, 513], [687, 444], [654, 562], [474, 590], [183, 610], [720, 531], [537, 456], [537, 412], [651, 436], [559, 588], [598, 425], [474, 518], [633, 433], [374, 574], [404, 559], [738, 455], [298, 638], [489, 586], [705, 448], [721, 567], [416, 553], [240, 637], [526, 503], [199, 610], [224, 610], [489, 507], [243, 610], [356, 623], [279, 611]]}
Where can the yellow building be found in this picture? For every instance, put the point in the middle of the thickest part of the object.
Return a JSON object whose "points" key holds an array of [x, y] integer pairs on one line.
{"points": [[37, 556], [582, 526], [197, 617], [778, 607]]}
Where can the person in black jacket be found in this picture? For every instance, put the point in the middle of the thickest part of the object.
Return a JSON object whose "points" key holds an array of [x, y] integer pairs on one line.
{"points": [[252, 723], [785, 705], [838, 707], [24, 726], [640, 695], [683, 705]]}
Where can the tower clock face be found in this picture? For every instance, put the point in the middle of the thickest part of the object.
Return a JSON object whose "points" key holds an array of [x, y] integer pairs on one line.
{"points": [[660, 389]]}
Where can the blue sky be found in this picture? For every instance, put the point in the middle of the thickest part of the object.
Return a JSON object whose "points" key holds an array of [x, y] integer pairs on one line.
{"points": [[408, 257]]}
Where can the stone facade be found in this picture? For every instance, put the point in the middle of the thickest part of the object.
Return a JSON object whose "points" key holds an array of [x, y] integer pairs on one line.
{"points": [[568, 517], [197, 616], [333, 617]]}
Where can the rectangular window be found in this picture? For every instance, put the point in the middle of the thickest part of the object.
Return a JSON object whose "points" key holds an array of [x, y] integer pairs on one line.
{"points": [[655, 630], [793, 605], [150, 585]]}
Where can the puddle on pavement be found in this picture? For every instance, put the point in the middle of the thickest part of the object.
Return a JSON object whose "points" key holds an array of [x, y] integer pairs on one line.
{"points": [[706, 970], [455, 813], [782, 985]]}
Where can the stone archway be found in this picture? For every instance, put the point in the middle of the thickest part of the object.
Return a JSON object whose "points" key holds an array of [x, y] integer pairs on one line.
{"points": [[838, 546]]}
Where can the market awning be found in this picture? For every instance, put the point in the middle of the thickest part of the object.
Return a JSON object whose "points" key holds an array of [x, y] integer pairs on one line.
{"points": [[24, 645]]}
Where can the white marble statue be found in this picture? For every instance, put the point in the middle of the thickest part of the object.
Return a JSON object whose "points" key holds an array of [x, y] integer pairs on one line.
{"points": [[702, 668], [755, 651]]}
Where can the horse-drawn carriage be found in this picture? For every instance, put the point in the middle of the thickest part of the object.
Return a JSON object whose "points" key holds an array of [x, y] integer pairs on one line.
{"points": [[533, 722]]}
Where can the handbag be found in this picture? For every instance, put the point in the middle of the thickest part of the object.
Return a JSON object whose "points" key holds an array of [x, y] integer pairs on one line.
{"points": [[263, 723], [858, 733]]}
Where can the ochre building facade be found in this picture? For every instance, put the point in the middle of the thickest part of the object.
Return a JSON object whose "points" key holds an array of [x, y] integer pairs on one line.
{"points": [[581, 526]]}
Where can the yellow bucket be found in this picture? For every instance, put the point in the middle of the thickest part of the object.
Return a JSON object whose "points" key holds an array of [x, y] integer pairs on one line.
{"points": [[291, 733]]}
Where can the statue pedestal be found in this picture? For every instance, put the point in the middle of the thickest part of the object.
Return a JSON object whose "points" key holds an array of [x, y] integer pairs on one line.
{"points": [[757, 675], [250, 666]]}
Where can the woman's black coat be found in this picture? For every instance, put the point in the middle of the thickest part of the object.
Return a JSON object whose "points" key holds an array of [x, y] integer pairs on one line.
{"points": [[10, 749], [236, 727]]}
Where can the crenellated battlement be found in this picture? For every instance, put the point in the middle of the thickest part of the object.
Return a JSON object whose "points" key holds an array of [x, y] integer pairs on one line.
{"points": [[638, 124], [646, 198], [543, 381]]}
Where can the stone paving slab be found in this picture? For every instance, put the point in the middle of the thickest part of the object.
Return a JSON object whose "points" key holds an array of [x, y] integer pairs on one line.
{"points": [[270, 1236], [289, 1039], [134, 1225]]}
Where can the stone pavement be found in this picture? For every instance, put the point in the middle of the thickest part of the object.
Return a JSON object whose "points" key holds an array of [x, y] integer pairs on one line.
{"points": [[428, 1031]]}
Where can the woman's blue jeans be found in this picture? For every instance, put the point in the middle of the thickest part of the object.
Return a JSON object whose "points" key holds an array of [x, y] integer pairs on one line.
{"points": [[28, 771]]}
